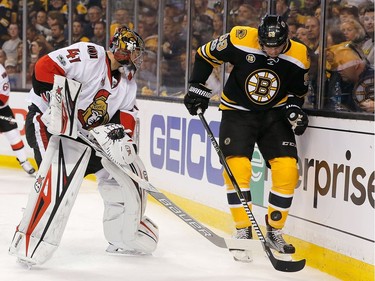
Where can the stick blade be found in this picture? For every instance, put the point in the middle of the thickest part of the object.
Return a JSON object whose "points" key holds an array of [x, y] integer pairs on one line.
{"points": [[288, 266]]}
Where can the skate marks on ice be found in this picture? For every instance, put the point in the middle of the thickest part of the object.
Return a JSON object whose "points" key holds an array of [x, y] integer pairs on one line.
{"points": [[182, 254]]}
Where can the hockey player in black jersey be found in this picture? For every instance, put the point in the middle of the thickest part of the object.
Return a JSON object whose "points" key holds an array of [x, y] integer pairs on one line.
{"points": [[261, 103]]}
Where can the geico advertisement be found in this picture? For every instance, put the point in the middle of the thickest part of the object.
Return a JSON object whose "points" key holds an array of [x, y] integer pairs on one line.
{"points": [[336, 184]]}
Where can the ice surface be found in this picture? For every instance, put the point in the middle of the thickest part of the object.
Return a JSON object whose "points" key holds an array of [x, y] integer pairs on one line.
{"points": [[182, 254]]}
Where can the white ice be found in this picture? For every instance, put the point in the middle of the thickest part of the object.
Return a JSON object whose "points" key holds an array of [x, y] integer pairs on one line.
{"points": [[182, 253]]}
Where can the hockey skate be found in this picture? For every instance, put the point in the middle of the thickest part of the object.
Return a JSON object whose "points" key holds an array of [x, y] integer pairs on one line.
{"points": [[112, 249], [242, 255], [275, 240], [27, 167]]}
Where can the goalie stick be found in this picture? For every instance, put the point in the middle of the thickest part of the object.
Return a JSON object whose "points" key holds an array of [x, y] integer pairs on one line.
{"points": [[217, 240], [280, 265]]}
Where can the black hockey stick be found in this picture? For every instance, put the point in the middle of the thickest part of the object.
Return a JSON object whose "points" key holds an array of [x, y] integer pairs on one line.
{"points": [[166, 202], [281, 265]]}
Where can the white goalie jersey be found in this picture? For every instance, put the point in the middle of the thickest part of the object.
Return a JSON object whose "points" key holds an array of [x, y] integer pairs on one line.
{"points": [[101, 96]]}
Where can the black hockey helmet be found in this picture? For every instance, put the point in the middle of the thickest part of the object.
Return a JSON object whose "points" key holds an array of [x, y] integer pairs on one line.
{"points": [[272, 31]]}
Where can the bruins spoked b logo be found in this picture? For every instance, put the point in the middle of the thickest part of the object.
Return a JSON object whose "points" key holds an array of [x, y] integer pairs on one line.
{"points": [[262, 86]]}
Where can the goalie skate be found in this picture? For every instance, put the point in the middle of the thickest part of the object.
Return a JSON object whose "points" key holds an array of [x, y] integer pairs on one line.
{"points": [[26, 262], [112, 249]]}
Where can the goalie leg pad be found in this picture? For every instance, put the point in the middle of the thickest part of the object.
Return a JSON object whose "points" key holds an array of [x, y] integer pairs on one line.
{"points": [[125, 227], [50, 201]]}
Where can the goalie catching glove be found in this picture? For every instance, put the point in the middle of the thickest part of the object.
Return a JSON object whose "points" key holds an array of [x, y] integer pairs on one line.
{"points": [[116, 142], [197, 96], [297, 118]]}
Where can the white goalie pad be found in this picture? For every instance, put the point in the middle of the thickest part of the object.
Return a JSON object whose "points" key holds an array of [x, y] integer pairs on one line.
{"points": [[61, 116], [50, 201], [125, 226]]}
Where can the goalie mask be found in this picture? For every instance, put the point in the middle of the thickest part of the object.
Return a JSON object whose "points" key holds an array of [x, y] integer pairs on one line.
{"points": [[127, 47], [272, 31]]}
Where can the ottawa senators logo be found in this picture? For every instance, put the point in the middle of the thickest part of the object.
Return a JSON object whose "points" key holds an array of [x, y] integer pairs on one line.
{"points": [[96, 113]]}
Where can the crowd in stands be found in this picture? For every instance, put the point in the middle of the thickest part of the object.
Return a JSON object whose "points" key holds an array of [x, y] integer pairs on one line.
{"points": [[349, 23]]}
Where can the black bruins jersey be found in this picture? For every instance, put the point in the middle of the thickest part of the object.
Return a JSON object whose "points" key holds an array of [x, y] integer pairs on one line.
{"points": [[257, 82], [364, 88]]}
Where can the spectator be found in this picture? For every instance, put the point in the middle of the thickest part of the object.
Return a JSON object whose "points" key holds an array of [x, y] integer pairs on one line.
{"points": [[54, 17], [218, 7], [202, 21], [174, 12], [368, 24], [10, 45], [58, 40], [5, 19], [293, 27], [121, 17], [41, 23], [203, 29], [312, 26], [282, 9], [14, 77], [233, 11], [313, 33], [95, 15], [201, 8], [217, 25], [356, 70], [247, 16], [146, 77], [37, 50], [43, 40], [3, 57], [58, 5], [172, 47], [31, 33], [77, 32], [318, 13], [309, 7], [149, 21], [334, 36], [99, 34], [91, 3], [355, 33], [348, 12], [301, 35], [362, 7]]}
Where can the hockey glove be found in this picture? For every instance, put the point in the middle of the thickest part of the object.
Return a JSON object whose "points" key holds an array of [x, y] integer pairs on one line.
{"points": [[297, 118], [116, 142], [197, 96]]}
